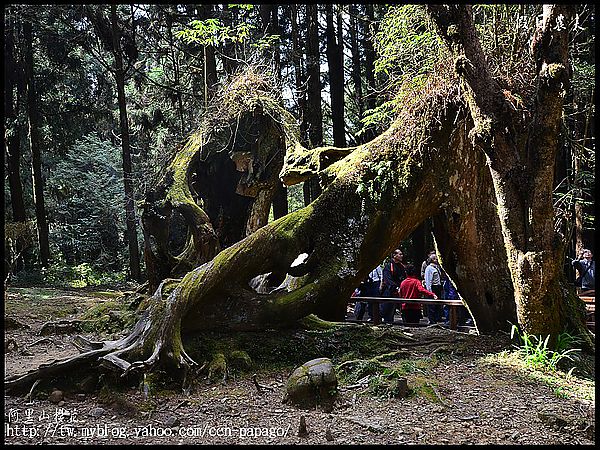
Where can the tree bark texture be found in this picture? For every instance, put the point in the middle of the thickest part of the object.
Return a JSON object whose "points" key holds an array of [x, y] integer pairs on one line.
{"points": [[520, 157], [209, 59], [356, 61], [35, 142], [335, 60], [12, 142], [130, 220], [221, 182]]}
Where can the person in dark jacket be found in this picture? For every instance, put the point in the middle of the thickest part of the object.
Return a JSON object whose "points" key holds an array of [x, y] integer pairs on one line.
{"points": [[369, 288], [393, 274], [586, 267]]}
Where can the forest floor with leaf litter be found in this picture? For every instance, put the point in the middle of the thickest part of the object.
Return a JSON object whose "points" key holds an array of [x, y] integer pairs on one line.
{"points": [[460, 391]]}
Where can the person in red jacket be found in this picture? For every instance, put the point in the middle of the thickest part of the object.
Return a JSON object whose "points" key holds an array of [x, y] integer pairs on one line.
{"points": [[411, 287]]}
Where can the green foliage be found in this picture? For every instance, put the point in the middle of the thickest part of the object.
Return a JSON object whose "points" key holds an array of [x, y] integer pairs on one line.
{"points": [[87, 200], [536, 353], [408, 49], [215, 32], [79, 276], [389, 384], [380, 181], [352, 371]]}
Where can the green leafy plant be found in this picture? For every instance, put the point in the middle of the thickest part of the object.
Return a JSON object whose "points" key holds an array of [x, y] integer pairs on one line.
{"points": [[78, 276], [536, 352]]}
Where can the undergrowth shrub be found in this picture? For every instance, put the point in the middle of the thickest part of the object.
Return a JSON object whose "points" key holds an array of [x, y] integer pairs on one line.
{"points": [[536, 352]]}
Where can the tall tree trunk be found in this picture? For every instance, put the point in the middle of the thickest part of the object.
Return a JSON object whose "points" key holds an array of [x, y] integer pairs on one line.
{"points": [[577, 167], [12, 143], [335, 60], [299, 74], [313, 110], [210, 63], [356, 63], [369, 54], [315, 113], [300, 84], [176, 75], [229, 50], [134, 254], [270, 24], [522, 177], [35, 142], [356, 69]]}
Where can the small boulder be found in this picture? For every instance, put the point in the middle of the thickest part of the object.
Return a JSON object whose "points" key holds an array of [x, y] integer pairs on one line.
{"points": [[97, 412], [55, 396], [240, 360], [314, 382], [172, 421]]}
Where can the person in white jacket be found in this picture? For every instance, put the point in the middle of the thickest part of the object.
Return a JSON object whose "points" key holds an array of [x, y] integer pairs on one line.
{"points": [[433, 283]]}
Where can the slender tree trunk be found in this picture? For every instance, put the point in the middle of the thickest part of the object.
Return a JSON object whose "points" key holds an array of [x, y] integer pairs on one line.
{"points": [[209, 59], [270, 24], [356, 64], [134, 254], [176, 74], [35, 142], [313, 110], [576, 164], [299, 76], [335, 60], [230, 60], [369, 55], [300, 80], [12, 143], [315, 113]]}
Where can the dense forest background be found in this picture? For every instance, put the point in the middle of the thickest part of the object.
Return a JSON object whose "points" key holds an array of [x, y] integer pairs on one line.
{"points": [[98, 98]]}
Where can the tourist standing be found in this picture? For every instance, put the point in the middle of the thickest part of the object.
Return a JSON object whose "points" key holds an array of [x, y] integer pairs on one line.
{"points": [[433, 283], [411, 287], [369, 288], [393, 274], [586, 267]]}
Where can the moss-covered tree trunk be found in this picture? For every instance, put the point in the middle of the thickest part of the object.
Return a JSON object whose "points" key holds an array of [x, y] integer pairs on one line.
{"points": [[220, 183], [372, 199], [468, 236], [520, 156]]}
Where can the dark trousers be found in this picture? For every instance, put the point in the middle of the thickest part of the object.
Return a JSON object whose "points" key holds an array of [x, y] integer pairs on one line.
{"points": [[435, 312], [387, 311], [367, 290], [412, 316]]}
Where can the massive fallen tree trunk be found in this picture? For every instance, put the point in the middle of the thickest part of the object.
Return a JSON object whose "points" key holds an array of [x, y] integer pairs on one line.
{"points": [[373, 198]]}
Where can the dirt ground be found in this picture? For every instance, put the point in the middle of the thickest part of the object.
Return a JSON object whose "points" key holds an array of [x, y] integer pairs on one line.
{"points": [[469, 399]]}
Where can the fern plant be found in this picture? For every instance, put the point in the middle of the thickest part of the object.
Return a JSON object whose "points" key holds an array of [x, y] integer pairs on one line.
{"points": [[536, 353]]}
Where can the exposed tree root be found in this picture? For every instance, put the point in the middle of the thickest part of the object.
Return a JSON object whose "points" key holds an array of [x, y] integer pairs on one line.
{"points": [[60, 327]]}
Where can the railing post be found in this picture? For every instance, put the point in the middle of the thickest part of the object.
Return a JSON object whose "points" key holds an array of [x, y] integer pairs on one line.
{"points": [[453, 313], [376, 316]]}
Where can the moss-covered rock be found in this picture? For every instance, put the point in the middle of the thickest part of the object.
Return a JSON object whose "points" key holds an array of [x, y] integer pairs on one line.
{"points": [[313, 383], [108, 317], [239, 360], [217, 369]]}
